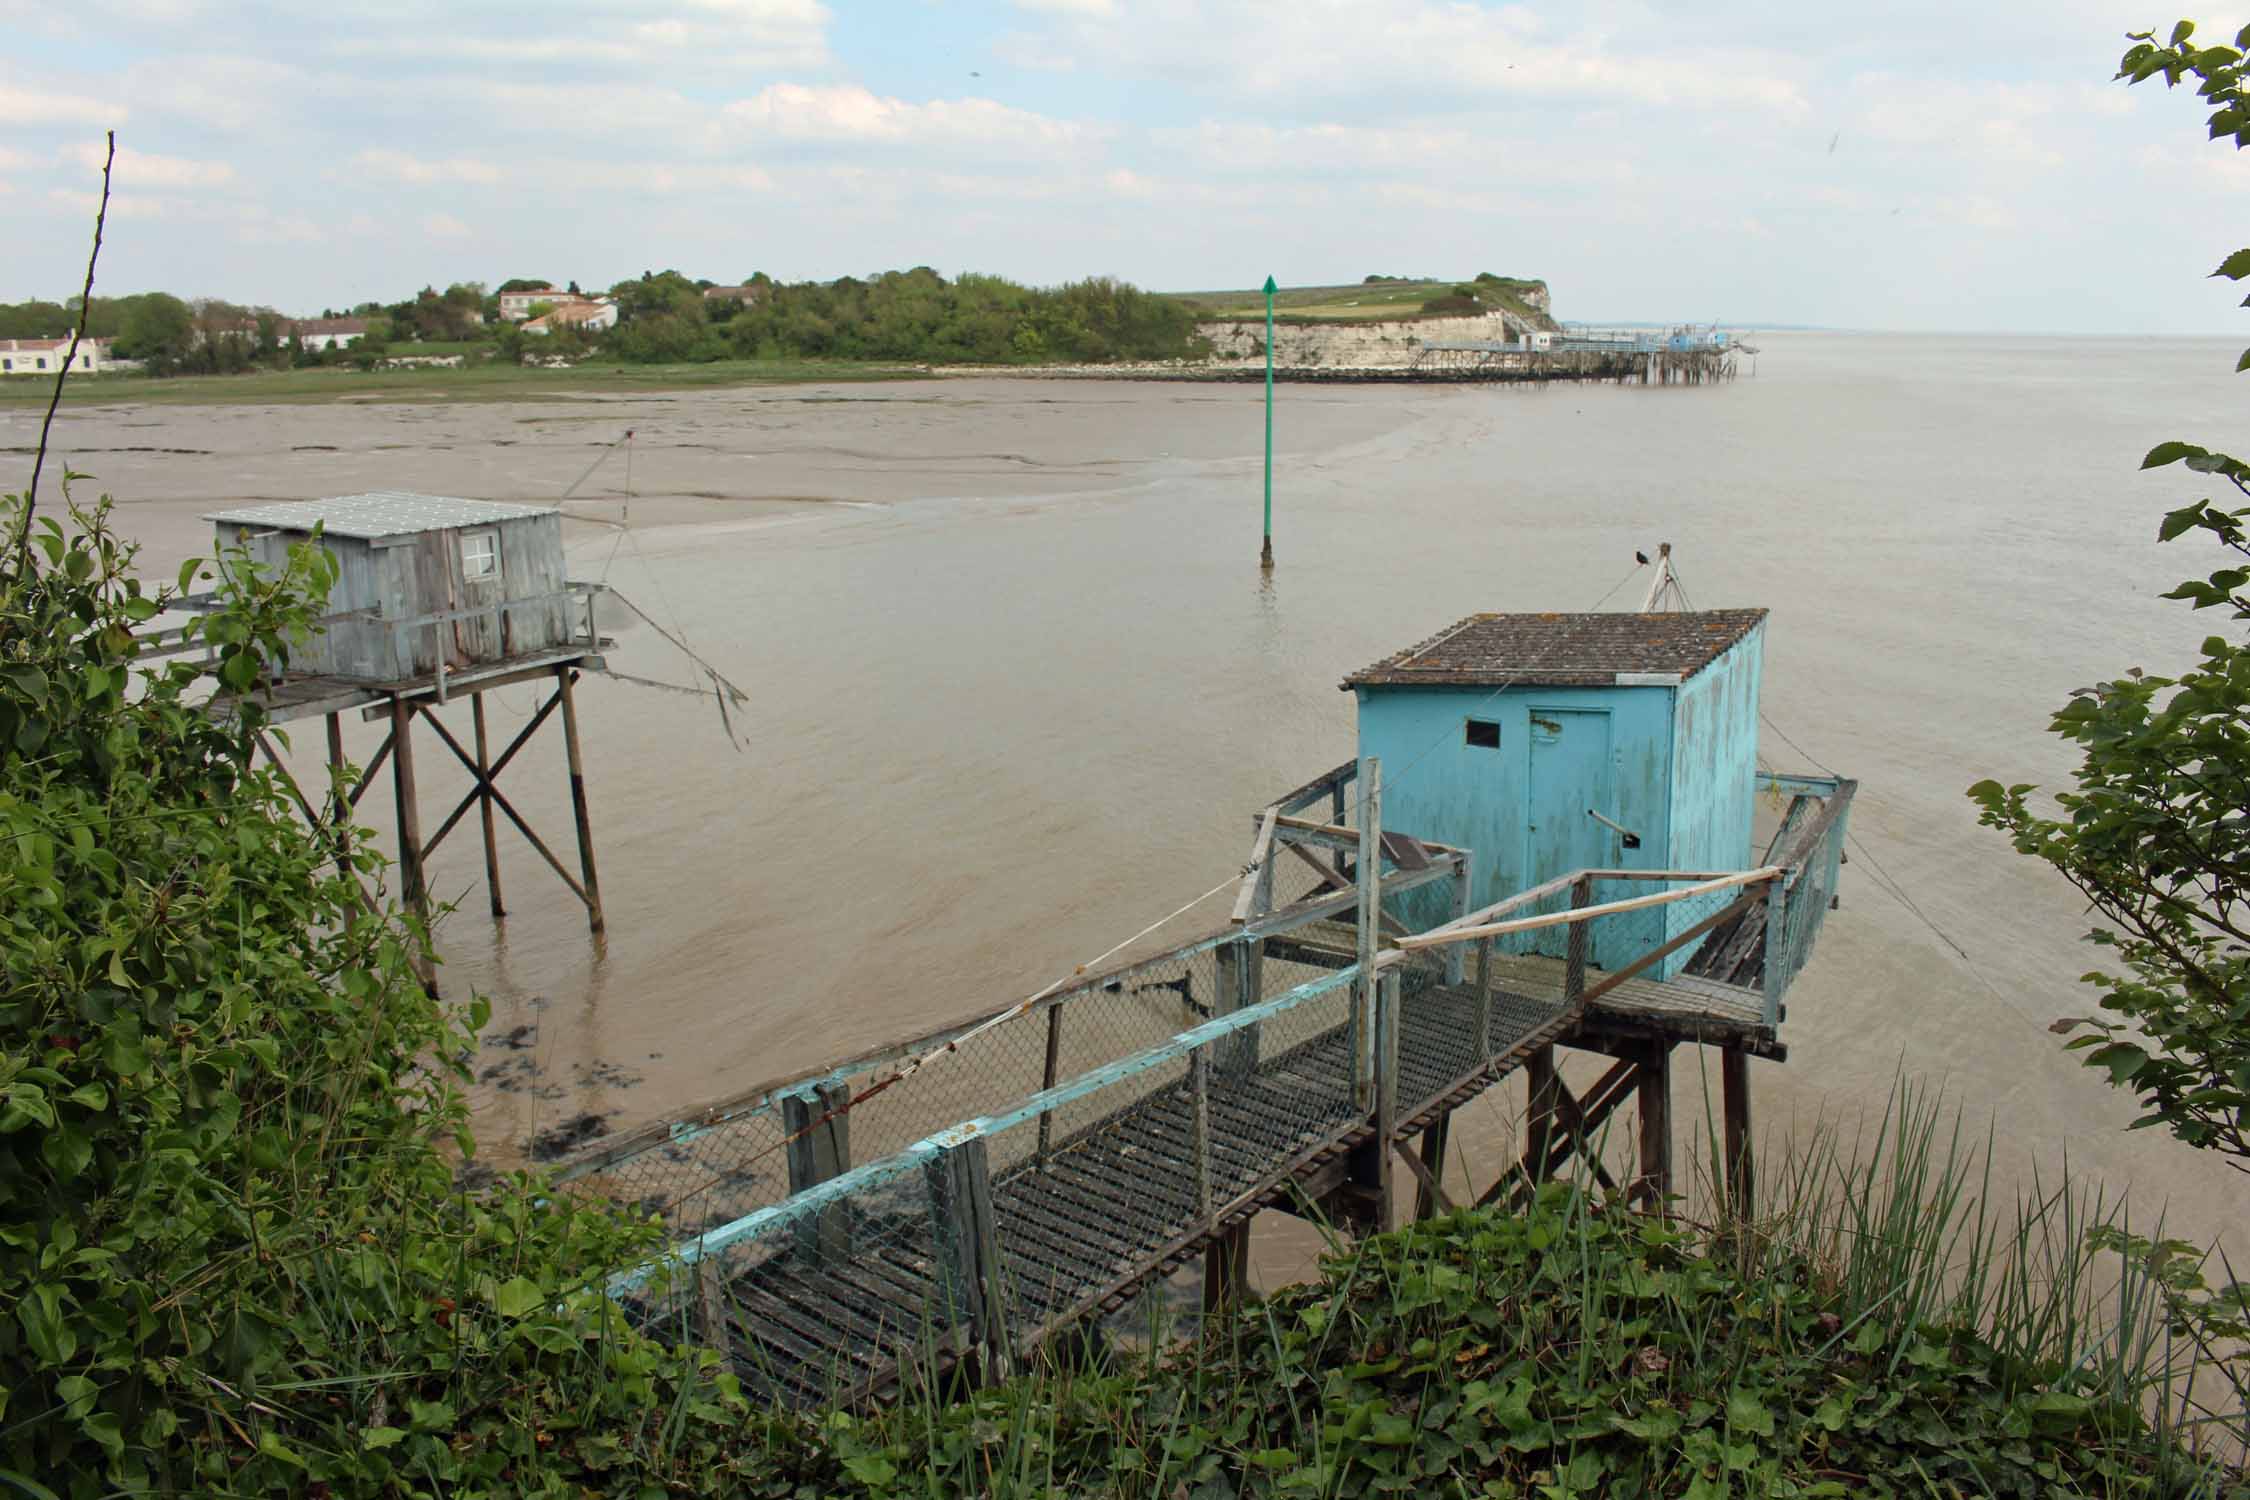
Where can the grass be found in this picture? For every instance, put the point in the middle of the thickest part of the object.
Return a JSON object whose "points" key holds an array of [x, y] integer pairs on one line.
{"points": [[1383, 299], [480, 382], [1887, 1329]]}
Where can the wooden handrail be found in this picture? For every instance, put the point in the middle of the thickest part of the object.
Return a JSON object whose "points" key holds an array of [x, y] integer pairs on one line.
{"points": [[1437, 938]]}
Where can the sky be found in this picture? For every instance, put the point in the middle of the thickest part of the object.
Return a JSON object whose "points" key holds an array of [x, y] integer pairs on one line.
{"points": [[1911, 166]]}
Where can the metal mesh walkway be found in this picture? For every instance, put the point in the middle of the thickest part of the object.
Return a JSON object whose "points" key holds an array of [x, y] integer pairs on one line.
{"points": [[836, 1310]]}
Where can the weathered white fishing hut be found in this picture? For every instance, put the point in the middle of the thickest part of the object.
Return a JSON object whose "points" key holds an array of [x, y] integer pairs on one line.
{"points": [[426, 585], [435, 598]]}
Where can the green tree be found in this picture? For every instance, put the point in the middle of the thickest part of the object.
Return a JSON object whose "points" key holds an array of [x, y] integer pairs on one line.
{"points": [[2156, 829], [158, 328]]}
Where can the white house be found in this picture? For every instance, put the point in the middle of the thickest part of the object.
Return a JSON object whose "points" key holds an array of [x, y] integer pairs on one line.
{"points": [[45, 356], [589, 314], [329, 333], [517, 306]]}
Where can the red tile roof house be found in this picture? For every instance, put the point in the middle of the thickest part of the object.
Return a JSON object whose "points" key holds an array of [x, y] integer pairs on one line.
{"points": [[45, 356]]}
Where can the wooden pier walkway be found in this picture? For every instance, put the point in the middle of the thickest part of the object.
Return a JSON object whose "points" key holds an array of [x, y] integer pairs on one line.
{"points": [[1066, 1152]]}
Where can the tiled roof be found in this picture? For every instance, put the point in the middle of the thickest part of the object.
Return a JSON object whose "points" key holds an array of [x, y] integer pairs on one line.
{"points": [[381, 513], [1582, 650], [46, 346]]}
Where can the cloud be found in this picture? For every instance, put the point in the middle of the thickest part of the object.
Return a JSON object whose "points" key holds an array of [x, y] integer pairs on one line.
{"points": [[398, 166], [142, 169], [444, 227], [1315, 52], [24, 106], [1070, 7], [847, 113]]}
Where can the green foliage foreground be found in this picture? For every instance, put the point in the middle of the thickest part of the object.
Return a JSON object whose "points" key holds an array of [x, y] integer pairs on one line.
{"points": [[236, 1257], [233, 1257]]}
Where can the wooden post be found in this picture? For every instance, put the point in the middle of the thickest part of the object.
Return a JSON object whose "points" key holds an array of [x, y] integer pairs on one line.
{"points": [[409, 810], [962, 1231], [1048, 1079], [1370, 921], [1435, 1138], [820, 1147], [1226, 1266], [1463, 886], [1386, 1094], [1336, 818], [484, 800], [1482, 1021], [1734, 1086], [1580, 941], [1655, 1093], [567, 677], [339, 801], [1539, 1073], [1199, 1129], [1777, 948]]}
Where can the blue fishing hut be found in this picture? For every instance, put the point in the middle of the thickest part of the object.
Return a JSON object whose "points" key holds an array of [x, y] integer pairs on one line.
{"points": [[1548, 743]]}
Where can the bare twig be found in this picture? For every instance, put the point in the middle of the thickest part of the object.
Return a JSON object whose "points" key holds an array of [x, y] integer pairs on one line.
{"points": [[85, 309]]}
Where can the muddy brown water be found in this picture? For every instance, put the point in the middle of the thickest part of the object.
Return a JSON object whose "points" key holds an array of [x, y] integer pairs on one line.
{"points": [[1016, 682]]}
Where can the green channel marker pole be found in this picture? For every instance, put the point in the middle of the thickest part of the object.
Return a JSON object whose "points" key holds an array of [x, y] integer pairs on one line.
{"points": [[1265, 557]]}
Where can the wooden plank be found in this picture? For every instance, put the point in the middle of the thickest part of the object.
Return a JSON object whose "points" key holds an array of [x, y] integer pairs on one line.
{"points": [[1261, 856], [1329, 782], [1740, 909], [1438, 936], [1428, 1166]]}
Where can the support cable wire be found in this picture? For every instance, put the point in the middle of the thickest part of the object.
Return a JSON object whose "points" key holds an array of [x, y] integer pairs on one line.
{"points": [[1884, 880], [916, 1063]]}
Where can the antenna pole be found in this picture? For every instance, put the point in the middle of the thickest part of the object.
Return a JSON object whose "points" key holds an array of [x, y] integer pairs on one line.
{"points": [[1662, 581]]}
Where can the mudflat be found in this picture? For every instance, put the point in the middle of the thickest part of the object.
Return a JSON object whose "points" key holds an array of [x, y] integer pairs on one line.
{"points": [[1017, 683]]}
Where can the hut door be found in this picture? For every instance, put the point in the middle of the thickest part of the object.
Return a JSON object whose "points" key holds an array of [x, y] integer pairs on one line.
{"points": [[1570, 772]]}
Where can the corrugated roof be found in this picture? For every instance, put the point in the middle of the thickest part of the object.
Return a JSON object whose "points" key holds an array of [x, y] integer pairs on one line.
{"points": [[377, 514], [1564, 650]]}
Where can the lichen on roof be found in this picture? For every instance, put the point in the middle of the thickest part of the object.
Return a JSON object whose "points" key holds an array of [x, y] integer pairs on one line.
{"points": [[1563, 650]]}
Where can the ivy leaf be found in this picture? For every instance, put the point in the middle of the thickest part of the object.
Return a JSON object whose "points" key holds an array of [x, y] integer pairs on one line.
{"points": [[381, 1437], [1746, 1413], [518, 1297], [40, 1313]]}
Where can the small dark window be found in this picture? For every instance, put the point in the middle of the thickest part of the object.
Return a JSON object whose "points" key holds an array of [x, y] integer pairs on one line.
{"points": [[1484, 734]]}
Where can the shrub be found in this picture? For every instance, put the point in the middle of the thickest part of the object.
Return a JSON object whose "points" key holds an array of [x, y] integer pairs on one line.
{"points": [[233, 1252]]}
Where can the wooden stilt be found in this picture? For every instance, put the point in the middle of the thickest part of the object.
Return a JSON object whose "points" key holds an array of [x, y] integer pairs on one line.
{"points": [[1226, 1266], [1539, 1073], [1435, 1138], [1655, 1092], [412, 883], [1734, 1085], [484, 800], [339, 801], [409, 809], [592, 885]]}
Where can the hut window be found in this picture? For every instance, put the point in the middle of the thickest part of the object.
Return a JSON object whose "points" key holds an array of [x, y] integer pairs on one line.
{"points": [[480, 555], [1484, 734]]}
